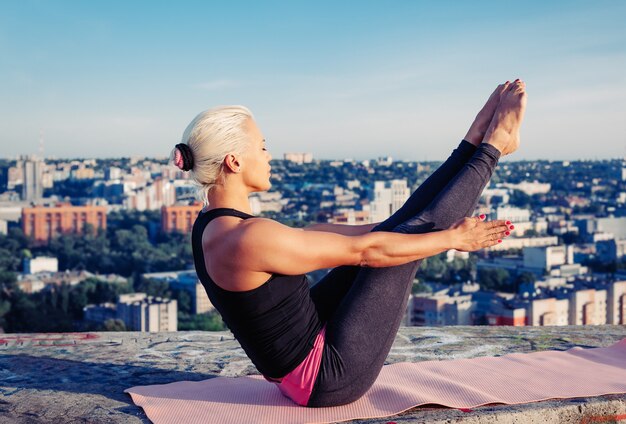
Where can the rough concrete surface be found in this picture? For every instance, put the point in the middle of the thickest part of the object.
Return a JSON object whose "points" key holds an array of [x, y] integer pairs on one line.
{"points": [[80, 377]]}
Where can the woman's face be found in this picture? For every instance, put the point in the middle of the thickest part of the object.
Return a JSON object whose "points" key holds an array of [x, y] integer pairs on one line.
{"points": [[256, 160]]}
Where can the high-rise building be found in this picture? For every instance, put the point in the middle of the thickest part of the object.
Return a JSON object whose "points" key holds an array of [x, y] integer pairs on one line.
{"points": [[547, 257], [387, 198], [616, 303], [299, 157], [513, 214], [42, 223], [146, 313], [4, 178], [179, 217], [189, 282], [351, 217], [155, 195], [40, 264], [32, 187]]}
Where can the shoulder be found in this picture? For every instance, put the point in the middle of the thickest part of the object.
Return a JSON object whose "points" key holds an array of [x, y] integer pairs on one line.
{"points": [[229, 246], [226, 232]]}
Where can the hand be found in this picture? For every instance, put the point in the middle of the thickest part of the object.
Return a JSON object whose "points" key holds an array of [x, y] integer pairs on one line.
{"points": [[470, 234]]}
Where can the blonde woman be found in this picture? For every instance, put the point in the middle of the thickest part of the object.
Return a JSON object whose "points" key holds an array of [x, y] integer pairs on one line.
{"points": [[326, 346]]}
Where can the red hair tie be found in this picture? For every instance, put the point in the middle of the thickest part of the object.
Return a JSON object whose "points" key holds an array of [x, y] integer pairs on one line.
{"points": [[183, 157], [178, 158]]}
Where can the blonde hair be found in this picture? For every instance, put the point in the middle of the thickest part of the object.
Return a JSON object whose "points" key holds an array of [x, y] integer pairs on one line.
{"points": [[211, 136]]}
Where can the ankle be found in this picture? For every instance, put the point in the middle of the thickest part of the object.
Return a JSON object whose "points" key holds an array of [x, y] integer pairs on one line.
{"points": [[501, 147], [492, 150], [474, 137]]}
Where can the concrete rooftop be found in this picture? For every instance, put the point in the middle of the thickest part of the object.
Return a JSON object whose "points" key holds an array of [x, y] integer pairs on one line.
{"points": [[80, 377]]}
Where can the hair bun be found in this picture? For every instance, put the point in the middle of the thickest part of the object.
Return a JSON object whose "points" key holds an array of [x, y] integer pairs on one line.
{"points": [[183, 157]]}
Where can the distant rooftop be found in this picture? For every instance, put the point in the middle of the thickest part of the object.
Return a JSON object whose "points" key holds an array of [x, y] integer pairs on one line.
{"points": [[80, 377]]}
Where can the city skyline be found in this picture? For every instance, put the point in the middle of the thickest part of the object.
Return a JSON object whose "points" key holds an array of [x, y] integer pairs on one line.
{"points": [[402, 80]]}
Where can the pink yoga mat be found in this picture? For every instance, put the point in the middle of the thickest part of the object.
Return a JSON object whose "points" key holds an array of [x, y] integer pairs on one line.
{"points": [[460, 383]]}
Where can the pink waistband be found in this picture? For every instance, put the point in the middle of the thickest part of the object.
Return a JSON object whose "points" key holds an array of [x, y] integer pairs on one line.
{"points": [[298, 384]]}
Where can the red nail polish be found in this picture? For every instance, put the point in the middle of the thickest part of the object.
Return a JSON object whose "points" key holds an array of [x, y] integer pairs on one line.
{"points": [[499, 241], [512, 227], [507, 233], [482, 216], [508, 222]]}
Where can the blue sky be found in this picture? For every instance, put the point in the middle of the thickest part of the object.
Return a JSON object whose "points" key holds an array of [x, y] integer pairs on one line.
{"points": [[357, 79]]}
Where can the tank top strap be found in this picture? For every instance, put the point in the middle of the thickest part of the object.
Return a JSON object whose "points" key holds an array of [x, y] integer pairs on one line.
{"points": [[214, 213], [204, 218]]}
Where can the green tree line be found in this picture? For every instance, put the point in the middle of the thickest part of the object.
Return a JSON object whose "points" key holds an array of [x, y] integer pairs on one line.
{"points": [[131, 246]]}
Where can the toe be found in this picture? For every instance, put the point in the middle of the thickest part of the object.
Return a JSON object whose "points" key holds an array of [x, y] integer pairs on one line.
{"points": [[502, 88]]}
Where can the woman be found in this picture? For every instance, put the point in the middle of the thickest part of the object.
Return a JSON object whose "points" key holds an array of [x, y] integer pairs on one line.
{"points": [[326, 346]]}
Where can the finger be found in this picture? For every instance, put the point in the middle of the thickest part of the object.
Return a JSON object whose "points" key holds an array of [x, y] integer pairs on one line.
{"points": [[494, 236], [488, 243], [500, 231], [507, 225], [496, 240], [497, 223]]}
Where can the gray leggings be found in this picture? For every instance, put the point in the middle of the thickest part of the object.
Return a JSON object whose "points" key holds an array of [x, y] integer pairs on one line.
{"points": [[363, 307]]}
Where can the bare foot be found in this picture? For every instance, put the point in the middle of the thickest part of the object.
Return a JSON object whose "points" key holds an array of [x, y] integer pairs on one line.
{"points": [[503, 131], [476, 133]]}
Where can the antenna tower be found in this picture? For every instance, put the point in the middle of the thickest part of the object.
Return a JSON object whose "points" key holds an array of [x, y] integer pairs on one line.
{"points": [[41, 144]]}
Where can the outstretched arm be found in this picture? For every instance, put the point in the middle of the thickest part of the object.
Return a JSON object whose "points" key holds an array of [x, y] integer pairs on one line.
{"points": [[263, 245]]}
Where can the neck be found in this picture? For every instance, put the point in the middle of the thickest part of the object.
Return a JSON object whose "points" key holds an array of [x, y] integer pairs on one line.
{"points": [[233, 196]]}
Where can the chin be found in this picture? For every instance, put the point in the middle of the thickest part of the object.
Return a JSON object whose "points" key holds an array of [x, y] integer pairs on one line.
{"points": [[263, 187]]}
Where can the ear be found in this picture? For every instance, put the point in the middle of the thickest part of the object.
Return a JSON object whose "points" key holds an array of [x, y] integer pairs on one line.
{"points": [[232, 163]]}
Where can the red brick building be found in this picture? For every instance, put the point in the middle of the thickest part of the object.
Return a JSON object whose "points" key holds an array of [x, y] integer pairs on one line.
{"points": [[44, 222], [179, 217]]}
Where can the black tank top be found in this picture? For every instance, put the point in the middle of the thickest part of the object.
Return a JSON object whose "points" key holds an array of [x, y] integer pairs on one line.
{"points": [[275, 323]]}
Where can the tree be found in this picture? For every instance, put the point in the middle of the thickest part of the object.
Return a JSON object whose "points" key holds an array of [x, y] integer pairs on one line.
{"points": [[432, 268], [113, 325], [23, 314], [494, 279], [8, 260], [211, 321], [183, 300], [570, 238], [520, 199], [524, 278], [154, 288], [420, 288], [8, 281], [106, 292], [5, 307]]}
